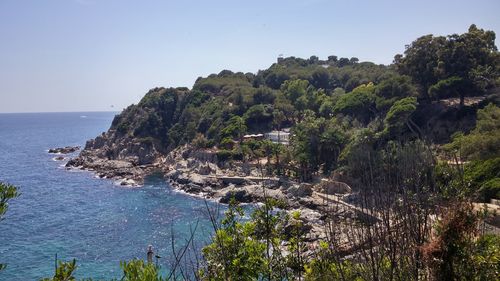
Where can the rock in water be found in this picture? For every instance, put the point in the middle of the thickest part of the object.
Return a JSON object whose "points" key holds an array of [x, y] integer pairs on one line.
{"points": [[64, 150]]}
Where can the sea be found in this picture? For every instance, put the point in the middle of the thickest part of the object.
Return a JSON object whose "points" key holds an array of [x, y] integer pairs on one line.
{"points": [[66, 214]]}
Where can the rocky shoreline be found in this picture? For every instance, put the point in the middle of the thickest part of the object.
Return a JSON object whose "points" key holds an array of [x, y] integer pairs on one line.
{"points": [[197, 172]]}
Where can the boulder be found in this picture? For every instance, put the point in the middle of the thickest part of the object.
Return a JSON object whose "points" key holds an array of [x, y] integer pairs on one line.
{"points": [[334, 187], [197, 179], [75, 162], [181, 164], [128, 182], [303, 190], [64, 150], [239, 195], [205, 170], [192, 188], [174, 174], [183, 179]]}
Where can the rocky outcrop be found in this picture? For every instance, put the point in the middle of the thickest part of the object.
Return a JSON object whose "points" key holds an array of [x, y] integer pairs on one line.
{"points": [[125, 172], [241, 196], [123, 158], [113, 146], [302, 190], [64, 150], [137, 139], [333, 187]]}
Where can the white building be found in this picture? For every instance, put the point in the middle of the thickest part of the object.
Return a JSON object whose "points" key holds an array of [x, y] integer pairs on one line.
{"points": [[282, 136]]}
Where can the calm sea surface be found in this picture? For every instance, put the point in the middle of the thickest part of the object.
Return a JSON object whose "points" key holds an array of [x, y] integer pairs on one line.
{"points": [[72, 213]]}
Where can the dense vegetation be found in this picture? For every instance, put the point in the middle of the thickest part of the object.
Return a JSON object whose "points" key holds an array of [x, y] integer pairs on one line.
{"points": [[419, 140], [333, 105]]}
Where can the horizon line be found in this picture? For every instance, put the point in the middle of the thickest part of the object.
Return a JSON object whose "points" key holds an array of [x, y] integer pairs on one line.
{"points": [[39, 112]]}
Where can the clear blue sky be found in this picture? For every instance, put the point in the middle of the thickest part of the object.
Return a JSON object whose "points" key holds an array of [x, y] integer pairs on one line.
{"points": [[86, 55]]}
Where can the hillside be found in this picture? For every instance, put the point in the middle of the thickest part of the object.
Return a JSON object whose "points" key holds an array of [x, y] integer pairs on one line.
{"points": [[327, 104], [375, 176]]}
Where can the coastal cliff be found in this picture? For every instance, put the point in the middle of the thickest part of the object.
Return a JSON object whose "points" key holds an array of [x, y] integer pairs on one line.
{"points": [[136, 140], [341, 117]]}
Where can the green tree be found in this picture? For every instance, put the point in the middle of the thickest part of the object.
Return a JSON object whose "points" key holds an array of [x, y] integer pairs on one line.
{"points": [[484, 141], [360, 103], [482, 148], [333, 139], [270, 229], [420, 60], [235, 128], [320, 79], [7, 192], [233, 254], [457, 65], [264, 95], [259, 117], [399, 117], [304, 145], [137, 270], [450, 87], [393, 89], [294, 89]]}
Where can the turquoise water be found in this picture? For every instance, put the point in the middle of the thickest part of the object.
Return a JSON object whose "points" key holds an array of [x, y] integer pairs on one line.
{"points": [[72, 213]]}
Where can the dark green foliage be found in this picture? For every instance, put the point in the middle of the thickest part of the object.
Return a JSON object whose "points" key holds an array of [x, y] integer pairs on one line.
{"points": [[448, 181], [234, 255], [399, 116], [456, 65], [393, 89], [360, 103], [482, 147], [235, 128], [217, 83], [275, 78], [320, 79], [343, 62], [152, 117], [484, 141], [253, 250], [229, 154], [352, 76], [490, 189], [305, 144], [64, 272], [484, 178], [448, 88], [259, 117], [420, 60], [317, 143], [137, 270], [7, 192], [295, 89], [281, 96], [264, 95]]}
